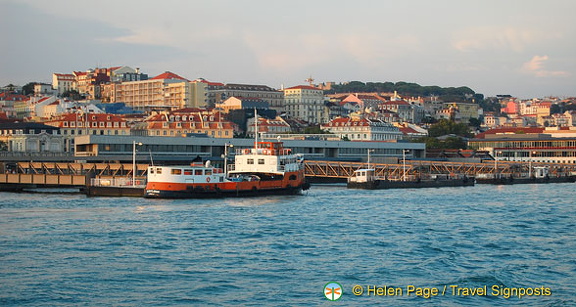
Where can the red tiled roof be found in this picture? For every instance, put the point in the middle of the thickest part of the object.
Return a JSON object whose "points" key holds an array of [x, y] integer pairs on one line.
{"points": [[303, 87], [510, 130], [169, 75], [13, 97], [76, 117]]}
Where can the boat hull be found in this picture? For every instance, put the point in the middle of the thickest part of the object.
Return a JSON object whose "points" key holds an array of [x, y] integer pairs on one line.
{"points": [[115, 191], [214, 192], [512, 180], [387, 184]]}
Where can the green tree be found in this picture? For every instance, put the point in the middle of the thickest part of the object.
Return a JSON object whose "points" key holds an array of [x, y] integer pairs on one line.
{"points": [[28, 89], [72, 94], [314, 130], [448, 143], [3, 146], [445, 127]]}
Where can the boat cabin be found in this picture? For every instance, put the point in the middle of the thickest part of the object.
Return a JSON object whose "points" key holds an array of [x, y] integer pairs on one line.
{"points": [[540, 171], [362, 175], [195, 173], [266, 157]]}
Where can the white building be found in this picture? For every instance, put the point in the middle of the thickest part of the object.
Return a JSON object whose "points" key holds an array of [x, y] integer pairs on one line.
{"points": [[306, 103], [363, 129]]}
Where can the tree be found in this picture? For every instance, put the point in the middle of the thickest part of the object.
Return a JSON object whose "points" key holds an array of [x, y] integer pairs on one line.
{"points": [[3, 146], [72, 94], [475, 122], [445, 127], [28, 89], [555, 109]]}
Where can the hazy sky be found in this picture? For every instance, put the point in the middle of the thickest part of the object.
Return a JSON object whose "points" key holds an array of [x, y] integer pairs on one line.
{"points": [[524, 48]]}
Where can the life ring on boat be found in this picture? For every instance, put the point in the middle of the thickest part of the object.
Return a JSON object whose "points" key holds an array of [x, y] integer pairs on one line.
{"points": [[207, 179]]}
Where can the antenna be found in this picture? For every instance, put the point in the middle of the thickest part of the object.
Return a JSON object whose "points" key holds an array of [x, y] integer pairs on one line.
{"points": [[151, 159]]}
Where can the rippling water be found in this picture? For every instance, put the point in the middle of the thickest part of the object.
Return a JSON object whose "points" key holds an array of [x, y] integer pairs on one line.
{"points": [[69, 250]]}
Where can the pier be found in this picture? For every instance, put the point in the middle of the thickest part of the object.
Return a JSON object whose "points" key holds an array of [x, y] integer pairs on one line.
{"points": [[343, 170], [21, 176]]}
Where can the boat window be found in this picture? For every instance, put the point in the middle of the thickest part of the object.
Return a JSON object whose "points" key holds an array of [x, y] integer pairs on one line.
{"points": [[159, 170], [208, 172], [176, 171], [198, 172], [250, 161], [151, 170], [260, 161], [188, 172]]}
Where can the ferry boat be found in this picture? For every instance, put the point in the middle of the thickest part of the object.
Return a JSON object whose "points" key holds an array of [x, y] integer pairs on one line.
{"points": [[266, 169], [366, 179]]}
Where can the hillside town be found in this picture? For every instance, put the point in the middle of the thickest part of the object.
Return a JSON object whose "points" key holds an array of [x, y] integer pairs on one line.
{"points": [[124, 101]]}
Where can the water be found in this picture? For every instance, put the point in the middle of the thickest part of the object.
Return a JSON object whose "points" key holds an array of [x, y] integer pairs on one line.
{"points": [[69, 250]]}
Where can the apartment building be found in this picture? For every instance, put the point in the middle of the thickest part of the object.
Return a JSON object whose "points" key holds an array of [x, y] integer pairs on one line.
{"points": [[188, 121], [274, 98], [63, 82], [306, 103], [167, 91]]}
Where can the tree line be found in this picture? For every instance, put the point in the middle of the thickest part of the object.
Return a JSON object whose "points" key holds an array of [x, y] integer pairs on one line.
{"points": [[453, 94]]}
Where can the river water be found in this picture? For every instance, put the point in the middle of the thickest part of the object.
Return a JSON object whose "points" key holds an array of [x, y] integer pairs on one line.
{"points": [[70, 250]]}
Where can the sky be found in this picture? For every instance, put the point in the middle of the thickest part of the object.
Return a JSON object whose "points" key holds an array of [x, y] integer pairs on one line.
{"points": [[523, 48]]}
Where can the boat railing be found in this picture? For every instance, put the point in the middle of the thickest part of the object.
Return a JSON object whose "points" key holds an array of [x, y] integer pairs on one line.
{"points": [[124, 182]]}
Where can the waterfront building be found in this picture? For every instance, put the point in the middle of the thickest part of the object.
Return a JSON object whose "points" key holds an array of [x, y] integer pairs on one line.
{"points": [[31, 138], [119, 148], [306, 103], [73, 124], [364, 129], [548, 145]]}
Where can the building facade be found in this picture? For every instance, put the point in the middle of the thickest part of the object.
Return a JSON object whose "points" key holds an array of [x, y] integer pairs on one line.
{"points": [[363, 129], [166, 91], [274, 98], [31, 138], [306, 103], [183, 122]]}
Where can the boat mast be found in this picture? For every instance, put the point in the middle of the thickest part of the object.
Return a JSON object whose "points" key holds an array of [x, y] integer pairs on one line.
{"points": [[255, 131]]}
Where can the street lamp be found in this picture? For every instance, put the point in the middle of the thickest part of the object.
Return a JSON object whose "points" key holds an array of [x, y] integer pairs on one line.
{"points": [[134, 162], [225, 156], [496, 153], [404, 163], [530, 164], [369, 151]]}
